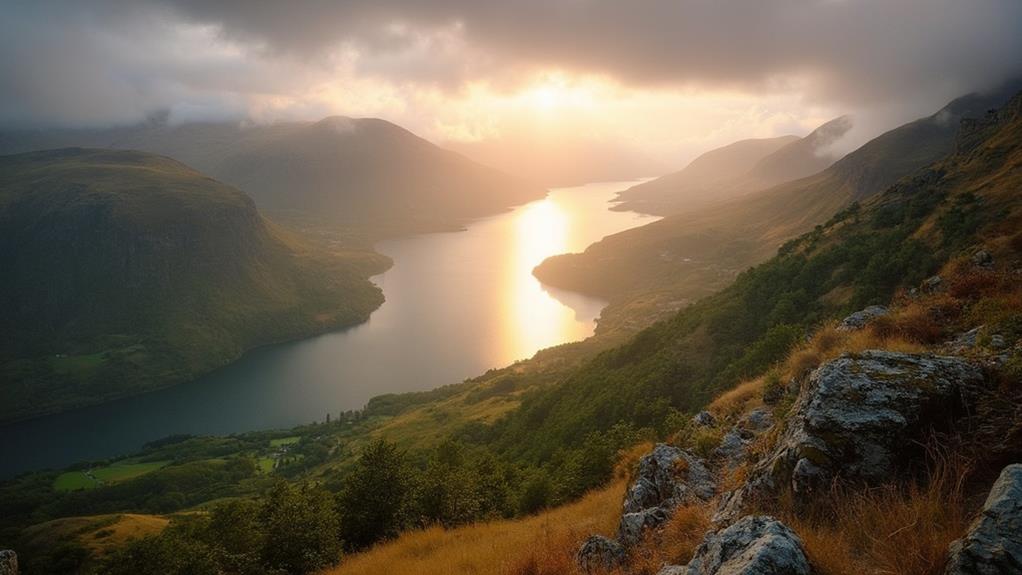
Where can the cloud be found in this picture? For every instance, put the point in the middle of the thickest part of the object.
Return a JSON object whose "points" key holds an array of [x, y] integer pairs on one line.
{"points": [[844, 51], [771, 66]]}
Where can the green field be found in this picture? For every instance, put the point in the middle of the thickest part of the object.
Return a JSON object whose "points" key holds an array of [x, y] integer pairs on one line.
{"points": [[266, 464], [121, 471], [284, 441]]}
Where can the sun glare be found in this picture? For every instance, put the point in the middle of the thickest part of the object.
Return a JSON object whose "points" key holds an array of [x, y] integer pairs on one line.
{"points": [[555, 92]]}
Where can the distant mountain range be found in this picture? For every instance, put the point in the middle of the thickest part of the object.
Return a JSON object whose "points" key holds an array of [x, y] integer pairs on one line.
{"points": [[125, 271], [735, 170], [363, 173]]}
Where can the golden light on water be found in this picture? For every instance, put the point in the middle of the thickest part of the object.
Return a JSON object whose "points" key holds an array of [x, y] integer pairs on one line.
{"points": [[535, 318]]}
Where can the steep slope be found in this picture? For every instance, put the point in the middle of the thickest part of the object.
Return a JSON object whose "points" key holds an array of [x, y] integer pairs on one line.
{"points": [[701, 180], [366, 173], [686, 256], [126, 271]]}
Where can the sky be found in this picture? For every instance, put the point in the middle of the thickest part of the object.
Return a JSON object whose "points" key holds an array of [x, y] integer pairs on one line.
{"points": [[640, 85]]}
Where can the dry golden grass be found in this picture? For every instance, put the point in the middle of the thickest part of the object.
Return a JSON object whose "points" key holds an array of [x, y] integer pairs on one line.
{"points": [[738, 400], [886, 530], [532, 545], [674, 544], [99, 533]]}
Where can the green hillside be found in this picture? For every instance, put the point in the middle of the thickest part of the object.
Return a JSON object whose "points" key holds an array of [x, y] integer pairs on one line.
{"points": [[127, 271]]}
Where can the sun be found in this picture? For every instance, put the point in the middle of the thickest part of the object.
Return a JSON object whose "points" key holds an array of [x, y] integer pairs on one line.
{"points": [[555, 92]]}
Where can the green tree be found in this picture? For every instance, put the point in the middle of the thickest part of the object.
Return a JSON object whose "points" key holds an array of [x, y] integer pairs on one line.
{"points": [[447, 492], [174, 552], [236, 532], [374, 496], [301, 527]]}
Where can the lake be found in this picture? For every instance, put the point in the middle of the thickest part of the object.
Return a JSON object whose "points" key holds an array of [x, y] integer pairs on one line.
{"points": [[457, 304]]}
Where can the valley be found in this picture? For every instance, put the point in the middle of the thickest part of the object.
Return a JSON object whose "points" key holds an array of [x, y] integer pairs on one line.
{"points": [[528, 288]]}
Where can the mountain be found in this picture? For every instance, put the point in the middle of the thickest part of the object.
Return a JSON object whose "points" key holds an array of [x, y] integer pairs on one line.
{"points": [[676, 260], [364, 173], [798, 159], [699, 181], [126, 271], [736, 170]]}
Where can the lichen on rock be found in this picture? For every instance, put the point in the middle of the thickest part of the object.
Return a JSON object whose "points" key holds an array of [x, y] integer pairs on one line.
{"points": [[754, 545]]}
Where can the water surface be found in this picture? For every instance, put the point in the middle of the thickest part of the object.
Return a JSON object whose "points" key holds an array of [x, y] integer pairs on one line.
{"points": [[456, 305]]}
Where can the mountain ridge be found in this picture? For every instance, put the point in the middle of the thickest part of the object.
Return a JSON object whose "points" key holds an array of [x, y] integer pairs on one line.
{"points": [[365, 173]]}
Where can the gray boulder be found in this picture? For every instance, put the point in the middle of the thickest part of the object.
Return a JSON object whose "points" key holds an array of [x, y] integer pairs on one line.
{"points": [[993, 544], [860, 414], [983, 258], [667, 477], [599, 553], [8, 562], [998, 342], [859, 319], [704, 419], [965, 340], [859, 417], [755, 545], [933, 284], [757, 421], [733, 447]]}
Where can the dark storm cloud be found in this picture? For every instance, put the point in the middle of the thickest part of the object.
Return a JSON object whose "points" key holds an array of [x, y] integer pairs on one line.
{"points": [[100, 60], [849, 50]]}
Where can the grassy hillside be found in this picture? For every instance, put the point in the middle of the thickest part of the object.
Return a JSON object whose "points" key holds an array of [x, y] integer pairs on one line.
{"points": [[684, 257], [128, 271], [503, 546], [363, 173]]}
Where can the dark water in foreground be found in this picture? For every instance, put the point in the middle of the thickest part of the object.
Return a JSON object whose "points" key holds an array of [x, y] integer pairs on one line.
{"points": [[457, 305]]}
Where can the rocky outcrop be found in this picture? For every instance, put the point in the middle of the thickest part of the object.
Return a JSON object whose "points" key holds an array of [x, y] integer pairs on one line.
{"points": [[859, 319], [983, 259], [933, 284], [734, 446], [859, 417], [8, 562], [599, 553], [993, 544], [667, 477], [704, 419], [755, 545], [861, 413]]}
